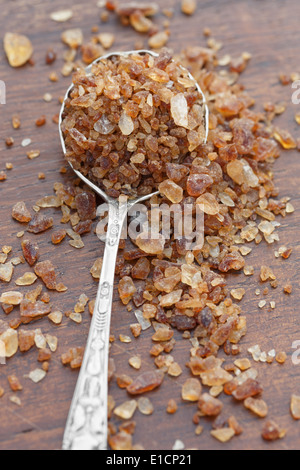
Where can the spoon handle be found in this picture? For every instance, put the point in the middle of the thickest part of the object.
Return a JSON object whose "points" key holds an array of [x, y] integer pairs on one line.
{"points": [[86, 427]]}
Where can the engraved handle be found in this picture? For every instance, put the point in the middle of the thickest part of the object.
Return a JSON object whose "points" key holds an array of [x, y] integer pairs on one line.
{"points": [[86, 427]]}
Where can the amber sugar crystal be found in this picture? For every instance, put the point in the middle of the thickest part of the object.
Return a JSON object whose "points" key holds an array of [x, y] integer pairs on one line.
{"points": [[21, 213], [18, 49], [30, 251], [45, 270], [250, 388], [209, 405], [14, 383], [145, 382], [40, 223], [295, 407], [272, 432]]}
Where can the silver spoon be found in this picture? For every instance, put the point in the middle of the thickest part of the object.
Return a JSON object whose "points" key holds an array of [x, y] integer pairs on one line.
{"points": [[86, 427]]}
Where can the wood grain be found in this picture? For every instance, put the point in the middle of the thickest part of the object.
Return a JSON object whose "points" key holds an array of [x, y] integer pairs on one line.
{"points": [[269, 30]]}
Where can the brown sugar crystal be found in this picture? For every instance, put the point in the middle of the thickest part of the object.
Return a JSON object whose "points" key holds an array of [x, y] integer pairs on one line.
{"points": [[163, 334], [145, 382], [150, 245], [16, 122], [83, 227], [272, 432], [136, 329], [58, 236], [172, 407], [30, 251], [123, 380], [191, 390], [14, 383], [40, 223], [250, 388], [258, 407], [45, 270], [9, 141], [120, 441], [127, 8], [281, 357], [86, 205], [126, 289], [26, 340], [6, 272], [223, 435], [18, 49], [73, 357], [288, 288], [188, 6], [31, 311], [295, 407], [233, 424], [3, 176], [145, 406], [158, 40], [11, 298], [21, 213], [72, 37], [27, 279], [141, 269], [44, 355], [209, 405], [41, 121], [50, 57]]}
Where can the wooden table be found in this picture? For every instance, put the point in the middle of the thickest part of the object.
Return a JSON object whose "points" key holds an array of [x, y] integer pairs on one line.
{"points": [[269, 30]]}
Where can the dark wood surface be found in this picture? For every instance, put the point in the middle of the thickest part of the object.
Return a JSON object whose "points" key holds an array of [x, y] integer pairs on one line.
{"points": [[269, 30]]}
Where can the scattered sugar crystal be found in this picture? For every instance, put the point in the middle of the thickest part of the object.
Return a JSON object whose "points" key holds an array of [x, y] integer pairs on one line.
{"points": [[56, 317], [11, 298], [40, 340], [255, 351], [295, 407], [145, 406], [6, 272], [178, 445], [290, 208], [135, 362], [223, 435], [52, 342], [191, 390], [37, 375], [238, 294], [76, 317], [61, 16], [263, 357], [126, 410], [16, 400], [145, 324]]}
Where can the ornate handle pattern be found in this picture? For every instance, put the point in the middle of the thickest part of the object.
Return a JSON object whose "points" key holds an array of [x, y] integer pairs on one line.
{"points": [[86, 427]]}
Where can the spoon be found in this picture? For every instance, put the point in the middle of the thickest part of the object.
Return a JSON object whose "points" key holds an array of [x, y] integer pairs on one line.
{"points": [[86, 427]]}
